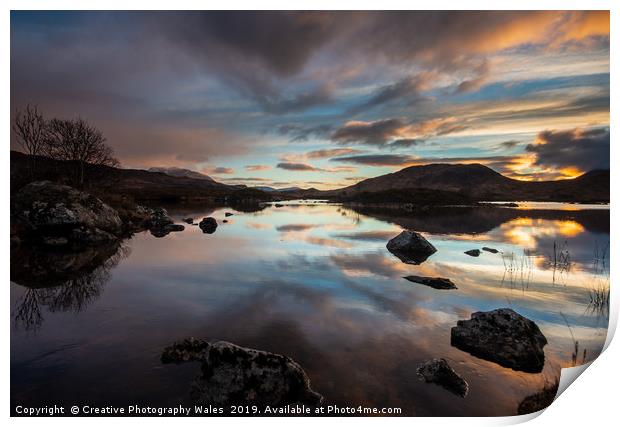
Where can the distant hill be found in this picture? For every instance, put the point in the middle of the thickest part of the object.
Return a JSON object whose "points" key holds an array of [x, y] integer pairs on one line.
{"points": [[135, 183], [180, 172], [481, 183]]}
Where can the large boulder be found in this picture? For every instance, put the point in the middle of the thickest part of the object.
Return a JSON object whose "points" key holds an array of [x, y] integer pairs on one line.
{"points": [[502, 336], [233, 375], [411, 247], [438, 371], [59, 213], [208, 225]]}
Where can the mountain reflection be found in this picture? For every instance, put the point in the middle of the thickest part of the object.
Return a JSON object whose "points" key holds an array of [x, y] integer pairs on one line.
{"points": [[61, 281], [477, 220]]}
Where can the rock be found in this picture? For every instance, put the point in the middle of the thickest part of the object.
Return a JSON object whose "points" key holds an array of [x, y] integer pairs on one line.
{"points": [[188, 220], [411, 247], [160, 218], [493, 251], [167, 229], [228, 214], [433, 282], [161, 224], [208, 225], [473, 252], [540, 400], [225, 221], [233, 375], [57, 212], [278, 205], [438, 371], [504, 337]]}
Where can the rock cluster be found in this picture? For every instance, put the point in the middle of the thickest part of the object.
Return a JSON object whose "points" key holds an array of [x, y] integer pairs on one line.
{"points": [[233, 375], [58, 215]]}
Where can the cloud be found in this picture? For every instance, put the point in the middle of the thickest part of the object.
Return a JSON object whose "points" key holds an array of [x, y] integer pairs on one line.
{"points": [[508, 144], [331, 152], [482, 73], [305, 167], [254, 168], [376, 159], [408, 88], [277, 104], [219, 170], [297, 167], [378, 132], [395, 133], [298, 132], [577, 148]]}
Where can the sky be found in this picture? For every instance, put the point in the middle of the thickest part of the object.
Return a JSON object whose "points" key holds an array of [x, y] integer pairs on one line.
{"points": [[325, 99]]}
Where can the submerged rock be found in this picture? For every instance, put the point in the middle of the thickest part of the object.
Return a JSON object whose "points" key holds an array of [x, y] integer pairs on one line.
{"points": [[225, 221], [278, 205], [228, 214], [167, 229], [433, 282], [502, 336], [411, 247], [492, 250], [540, 400], [233, 375], [438, 371], [55, 213], [473, 252], [188, 220], [208, 225]]}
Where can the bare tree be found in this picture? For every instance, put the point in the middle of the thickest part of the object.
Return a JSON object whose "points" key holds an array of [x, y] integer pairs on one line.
{"points": [[29, 128], [78, 142]]}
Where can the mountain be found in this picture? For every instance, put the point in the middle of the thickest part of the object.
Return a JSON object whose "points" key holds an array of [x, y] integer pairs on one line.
{"points": [[180, 172], [480, 183]]}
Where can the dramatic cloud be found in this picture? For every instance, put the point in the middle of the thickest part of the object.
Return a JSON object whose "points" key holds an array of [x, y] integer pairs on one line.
{"points": [[394, 133], [408, 89], [579, 149], [254, 168], [371, 133], [197, 88]]}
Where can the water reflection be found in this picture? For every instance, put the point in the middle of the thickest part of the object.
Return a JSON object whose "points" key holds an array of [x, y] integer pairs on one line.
{"points": [[316, 283], [61, 280]]}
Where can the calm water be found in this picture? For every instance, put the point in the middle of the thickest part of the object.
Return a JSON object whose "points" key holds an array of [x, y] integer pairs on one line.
{"points": [[313, 282]]}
